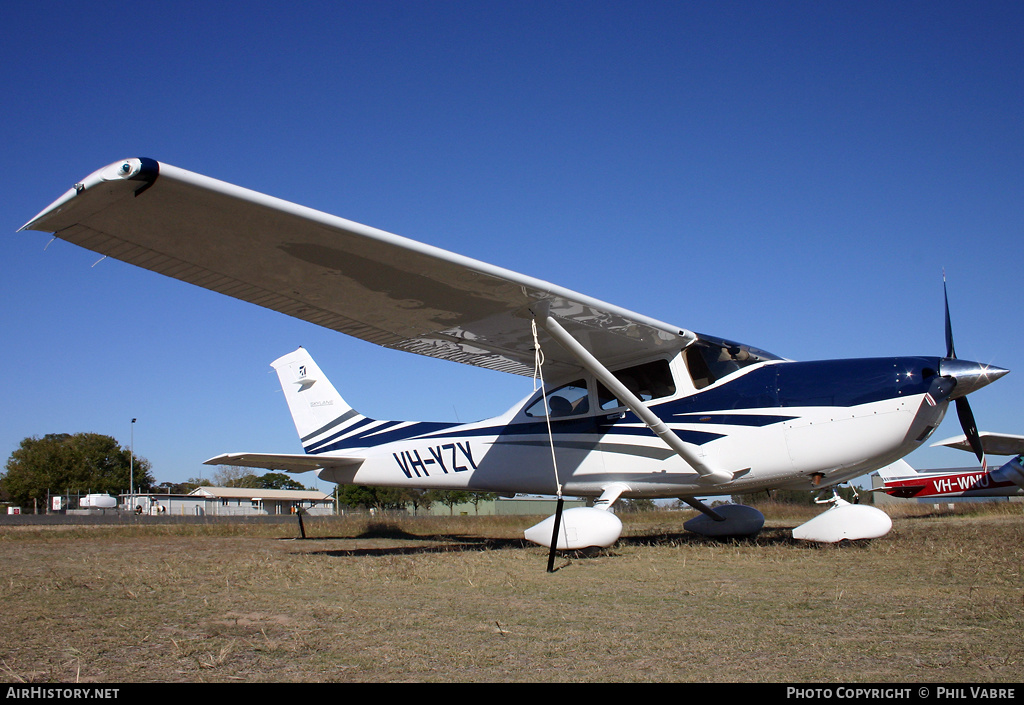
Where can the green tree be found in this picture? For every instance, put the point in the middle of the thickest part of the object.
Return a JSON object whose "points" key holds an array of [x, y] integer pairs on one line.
{"points": [[192, 483], [475, 498], [450, 498], [635, 506], [804, 497], [277, 481], [78, 463], [233, 476], [379, 498], [418, 499]]}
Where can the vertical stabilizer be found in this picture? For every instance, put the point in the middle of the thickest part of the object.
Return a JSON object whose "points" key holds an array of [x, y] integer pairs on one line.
{"points": [[900, 469], [318, 410]]}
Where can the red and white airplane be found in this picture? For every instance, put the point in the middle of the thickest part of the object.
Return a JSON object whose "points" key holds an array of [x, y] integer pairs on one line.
{"points": [[900, 480]]}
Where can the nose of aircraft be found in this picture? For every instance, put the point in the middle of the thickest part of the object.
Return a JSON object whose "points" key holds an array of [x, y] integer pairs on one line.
{"points": [[969, 376]]}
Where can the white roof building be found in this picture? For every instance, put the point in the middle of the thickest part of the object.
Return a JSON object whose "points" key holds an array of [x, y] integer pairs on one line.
{"points": [[230, 501]]}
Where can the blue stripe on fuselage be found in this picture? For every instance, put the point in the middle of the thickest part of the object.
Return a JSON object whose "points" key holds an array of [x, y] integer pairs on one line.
{"points": [[842, 383], [379, 437], [832, 383]]}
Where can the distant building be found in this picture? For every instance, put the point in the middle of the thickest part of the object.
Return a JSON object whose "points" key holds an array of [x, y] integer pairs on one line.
{"points": [[246, 501], [503, 506], [229, 501]]}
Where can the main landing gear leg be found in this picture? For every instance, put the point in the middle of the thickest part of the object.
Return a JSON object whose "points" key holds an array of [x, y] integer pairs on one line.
{"points": [[726, 520]]}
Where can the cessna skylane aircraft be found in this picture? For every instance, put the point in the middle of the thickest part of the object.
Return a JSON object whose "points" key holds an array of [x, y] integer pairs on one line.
{"points": [[623, 405], [900, 480]]}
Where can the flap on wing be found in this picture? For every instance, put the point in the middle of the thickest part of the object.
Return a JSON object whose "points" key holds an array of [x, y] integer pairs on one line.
{"points": [[993, 443], [290, 463], [336, 273]]}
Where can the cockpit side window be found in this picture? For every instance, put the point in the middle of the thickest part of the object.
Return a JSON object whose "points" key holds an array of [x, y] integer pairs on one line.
{"points": [[710, 359], [651, 380], [568, 400]]}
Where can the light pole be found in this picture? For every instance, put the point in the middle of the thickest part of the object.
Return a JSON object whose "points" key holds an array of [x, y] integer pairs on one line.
{"points": [[131, 463]]}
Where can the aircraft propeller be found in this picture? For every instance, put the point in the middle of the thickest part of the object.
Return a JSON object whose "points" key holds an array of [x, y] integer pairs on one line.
{"points": [[966, 377]]}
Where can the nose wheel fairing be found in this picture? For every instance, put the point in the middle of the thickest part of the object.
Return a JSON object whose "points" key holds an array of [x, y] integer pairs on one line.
{"points": [[844, 522]]}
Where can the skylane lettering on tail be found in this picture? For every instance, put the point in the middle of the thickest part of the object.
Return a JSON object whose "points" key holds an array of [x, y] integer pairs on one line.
{"points": [[630, 407]]}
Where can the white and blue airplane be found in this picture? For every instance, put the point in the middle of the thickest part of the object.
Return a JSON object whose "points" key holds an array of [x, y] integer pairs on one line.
{"points": [[625, 405]]}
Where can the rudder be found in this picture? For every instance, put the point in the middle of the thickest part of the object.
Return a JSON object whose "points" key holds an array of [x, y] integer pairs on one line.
{"points": [[315, 405]]}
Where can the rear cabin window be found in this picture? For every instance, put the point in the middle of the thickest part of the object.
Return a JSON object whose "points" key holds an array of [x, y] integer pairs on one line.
{"points": [[651, 380]]}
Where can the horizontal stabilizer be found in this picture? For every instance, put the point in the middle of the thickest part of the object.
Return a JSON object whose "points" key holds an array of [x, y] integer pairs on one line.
{"points": [[903, 490], [993, 443], [288, 462]]}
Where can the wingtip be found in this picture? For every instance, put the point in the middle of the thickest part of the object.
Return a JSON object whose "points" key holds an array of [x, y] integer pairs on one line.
{"points": [[141, 169]]}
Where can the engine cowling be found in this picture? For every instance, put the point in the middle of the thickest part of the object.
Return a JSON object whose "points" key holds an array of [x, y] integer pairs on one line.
{"points": [[1013, 472]]}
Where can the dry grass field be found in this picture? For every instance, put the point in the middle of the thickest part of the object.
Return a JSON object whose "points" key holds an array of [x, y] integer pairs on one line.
{"points": [[465, 600]]}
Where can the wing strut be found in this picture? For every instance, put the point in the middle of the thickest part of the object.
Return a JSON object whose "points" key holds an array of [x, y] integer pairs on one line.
{"points": [[593, 365], [703, 508]]}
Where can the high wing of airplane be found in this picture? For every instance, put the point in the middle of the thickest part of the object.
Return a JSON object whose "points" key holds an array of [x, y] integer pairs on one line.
{"points": [[1005, 481], [627, 406]]}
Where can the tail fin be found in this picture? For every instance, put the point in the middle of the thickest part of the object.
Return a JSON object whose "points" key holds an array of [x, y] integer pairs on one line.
{"points": [[900, 469], [319, 412]]}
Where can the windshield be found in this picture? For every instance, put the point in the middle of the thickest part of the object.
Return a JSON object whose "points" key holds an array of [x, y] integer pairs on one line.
{"points": [[710, 359]]}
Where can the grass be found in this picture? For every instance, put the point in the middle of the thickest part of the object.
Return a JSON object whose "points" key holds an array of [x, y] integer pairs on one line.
{"points": [[464, 599]]}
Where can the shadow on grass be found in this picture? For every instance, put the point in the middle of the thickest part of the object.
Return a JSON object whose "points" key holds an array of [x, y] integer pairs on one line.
{"points": [[412, 545], [402, 543], [774, 536]]}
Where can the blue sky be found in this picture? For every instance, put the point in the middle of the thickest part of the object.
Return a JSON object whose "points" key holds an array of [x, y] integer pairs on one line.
{"points": [[793, 175]]}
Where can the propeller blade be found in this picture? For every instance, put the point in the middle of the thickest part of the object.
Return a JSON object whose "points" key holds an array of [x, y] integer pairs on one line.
{"points": [[950, 351], [554, 535], [958, 379], [970, 380], [966, 416]]}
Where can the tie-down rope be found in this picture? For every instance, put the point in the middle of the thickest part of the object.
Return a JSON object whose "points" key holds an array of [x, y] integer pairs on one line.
{"points": [[538, 374]]}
